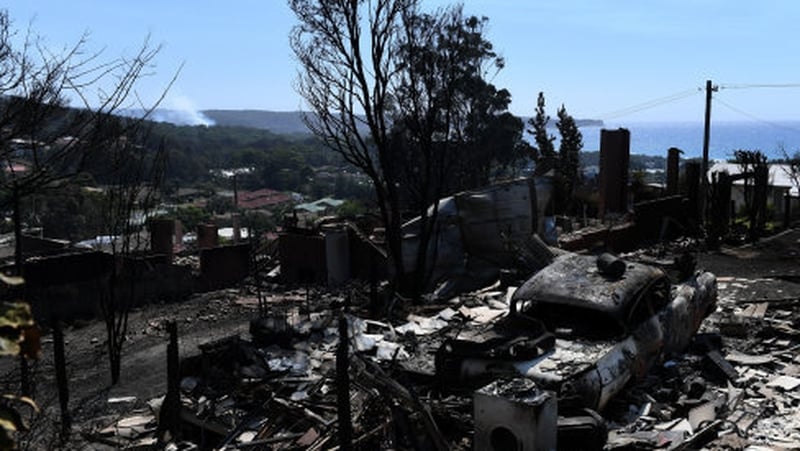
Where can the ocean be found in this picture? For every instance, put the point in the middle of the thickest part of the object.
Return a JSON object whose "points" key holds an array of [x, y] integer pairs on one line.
{"points": [[654, 138]]}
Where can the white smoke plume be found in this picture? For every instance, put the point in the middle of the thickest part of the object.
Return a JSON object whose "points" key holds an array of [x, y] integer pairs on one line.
{"points": [[180, 110]]}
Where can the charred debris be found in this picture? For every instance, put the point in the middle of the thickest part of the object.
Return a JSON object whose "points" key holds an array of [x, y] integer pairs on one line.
{"points": [[590, 352], [610, 337]]}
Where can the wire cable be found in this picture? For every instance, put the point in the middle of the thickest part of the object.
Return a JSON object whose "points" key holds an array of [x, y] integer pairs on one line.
{"points": [[650, 104], [754, 117], [760, 85]]}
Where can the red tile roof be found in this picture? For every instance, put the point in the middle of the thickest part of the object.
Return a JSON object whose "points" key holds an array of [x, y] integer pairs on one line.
{"points": [[262, 198]]}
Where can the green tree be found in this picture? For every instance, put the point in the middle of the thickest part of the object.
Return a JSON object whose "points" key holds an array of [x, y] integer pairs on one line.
{"points": [[543, 153], [483, 132], [72, 212], [219, 205], [567, 162], [569, 155], [350, 209], [190, 216], [454, 125]]}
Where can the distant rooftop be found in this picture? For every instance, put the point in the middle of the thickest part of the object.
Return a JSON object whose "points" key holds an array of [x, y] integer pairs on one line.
{"points": [[319, 206], [780, 175], [262, 198]]}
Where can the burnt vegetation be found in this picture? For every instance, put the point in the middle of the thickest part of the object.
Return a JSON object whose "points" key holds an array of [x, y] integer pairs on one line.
{"points": [[423, 270]]}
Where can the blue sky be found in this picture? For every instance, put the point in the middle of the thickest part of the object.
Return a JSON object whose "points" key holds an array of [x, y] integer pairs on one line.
{"points": [[599, 58]]}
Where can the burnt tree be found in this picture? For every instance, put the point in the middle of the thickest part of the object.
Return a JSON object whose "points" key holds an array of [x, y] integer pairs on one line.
{"points": [[51, 125], [399, 94], [755, 173], [136, 173], [57, 114]]}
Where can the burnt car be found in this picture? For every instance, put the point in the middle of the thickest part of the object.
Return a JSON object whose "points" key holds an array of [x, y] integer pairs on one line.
{"points": [[582, 327]]}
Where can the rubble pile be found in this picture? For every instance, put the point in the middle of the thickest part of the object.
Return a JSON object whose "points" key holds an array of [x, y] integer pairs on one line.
{"points": [[736, 386], [278, 387]]}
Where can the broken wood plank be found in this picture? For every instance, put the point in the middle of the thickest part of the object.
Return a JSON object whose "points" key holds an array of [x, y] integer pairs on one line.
{"points": [[372, 374], [307, 412]]}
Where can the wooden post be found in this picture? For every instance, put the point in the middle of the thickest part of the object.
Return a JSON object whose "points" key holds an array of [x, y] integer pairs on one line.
{"points": [[761, 186], [787, 210], [726, 185], [693, 189], [720, 202], [374, 307], [343, 387], [170, 417], [706, 138], [59, 358]]}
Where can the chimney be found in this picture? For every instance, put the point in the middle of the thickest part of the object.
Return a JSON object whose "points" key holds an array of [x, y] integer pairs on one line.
{"points": [[615, 150]]}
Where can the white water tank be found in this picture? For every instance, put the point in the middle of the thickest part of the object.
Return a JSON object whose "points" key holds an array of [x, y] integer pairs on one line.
{"points": [[515, 415], [337, 254]]}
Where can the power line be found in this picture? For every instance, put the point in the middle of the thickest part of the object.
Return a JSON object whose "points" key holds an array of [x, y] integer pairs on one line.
{"points": [[760, 85], [754, 117], [650, 104]]}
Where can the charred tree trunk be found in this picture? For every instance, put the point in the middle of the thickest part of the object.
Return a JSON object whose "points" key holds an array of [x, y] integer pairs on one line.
{"points": [[115, 314], [18, 259], [693, 192]]}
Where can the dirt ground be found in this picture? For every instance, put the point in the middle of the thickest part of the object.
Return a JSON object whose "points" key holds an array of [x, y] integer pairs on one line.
{"points": [[94, 403], [202, 318]]}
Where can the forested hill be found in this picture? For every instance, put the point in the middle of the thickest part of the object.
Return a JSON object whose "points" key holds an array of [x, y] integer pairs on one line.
{"points": [[291, 122], [280, 122]]}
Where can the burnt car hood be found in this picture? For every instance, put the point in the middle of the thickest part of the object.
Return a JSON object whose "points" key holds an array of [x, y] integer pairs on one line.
{"points": [[567, 359], [572, 292]]}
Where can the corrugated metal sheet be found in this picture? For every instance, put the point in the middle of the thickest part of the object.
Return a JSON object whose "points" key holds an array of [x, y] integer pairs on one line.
{"points": [[476, 229]]}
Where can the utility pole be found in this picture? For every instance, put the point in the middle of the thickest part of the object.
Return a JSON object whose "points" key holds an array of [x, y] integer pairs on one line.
{"points": [[706, 137]]}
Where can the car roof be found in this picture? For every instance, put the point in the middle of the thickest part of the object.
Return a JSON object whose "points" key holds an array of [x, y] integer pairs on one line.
{"points": [[573, 283]]}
